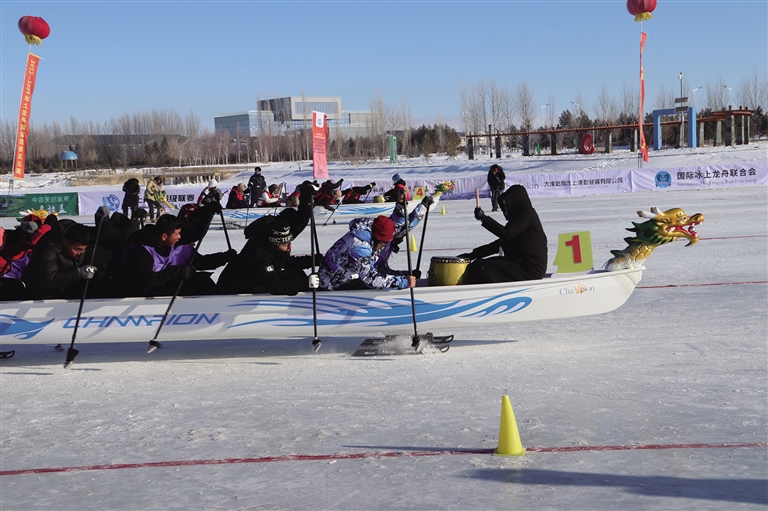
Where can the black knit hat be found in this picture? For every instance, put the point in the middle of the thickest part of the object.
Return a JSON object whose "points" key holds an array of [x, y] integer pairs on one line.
{"points": [[280, 232]]}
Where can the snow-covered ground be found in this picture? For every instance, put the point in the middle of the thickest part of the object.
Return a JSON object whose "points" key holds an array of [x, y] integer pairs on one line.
{"points": [[442, 167], [679, 373]]}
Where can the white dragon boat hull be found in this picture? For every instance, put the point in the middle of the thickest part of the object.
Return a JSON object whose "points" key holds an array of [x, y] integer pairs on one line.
{"points": [[346, 211], [366, 312]]}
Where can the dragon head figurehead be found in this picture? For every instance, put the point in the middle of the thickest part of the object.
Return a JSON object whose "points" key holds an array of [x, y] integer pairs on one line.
{"points": [[662, 227]]}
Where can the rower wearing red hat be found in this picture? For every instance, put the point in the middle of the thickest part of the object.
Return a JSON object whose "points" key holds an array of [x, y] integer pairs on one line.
{"points": [[359, 260]]}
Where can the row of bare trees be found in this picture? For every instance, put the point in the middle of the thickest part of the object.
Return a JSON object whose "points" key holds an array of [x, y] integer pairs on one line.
{"points": [[485, 104]]}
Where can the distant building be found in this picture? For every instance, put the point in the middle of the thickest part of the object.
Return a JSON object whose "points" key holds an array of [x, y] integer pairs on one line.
{"points": [[281, 115]]}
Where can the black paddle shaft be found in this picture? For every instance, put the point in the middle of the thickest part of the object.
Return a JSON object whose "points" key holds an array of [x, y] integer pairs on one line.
{"points": [[72, 352]]}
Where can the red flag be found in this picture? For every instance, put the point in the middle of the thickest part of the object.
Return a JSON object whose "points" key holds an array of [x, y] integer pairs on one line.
{"points": [[643, 145], [22, 130], [319, 143]]}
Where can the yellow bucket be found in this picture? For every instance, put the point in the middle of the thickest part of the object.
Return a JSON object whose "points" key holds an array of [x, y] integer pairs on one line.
{"points": [[446, 271]]}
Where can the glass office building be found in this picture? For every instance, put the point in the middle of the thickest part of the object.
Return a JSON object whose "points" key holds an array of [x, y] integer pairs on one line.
{"points": [[280, 115]]}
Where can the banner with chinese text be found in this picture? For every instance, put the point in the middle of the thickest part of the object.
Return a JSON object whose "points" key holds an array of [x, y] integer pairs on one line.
{"points": [[25, 108], [643, 144], [319, 144]]}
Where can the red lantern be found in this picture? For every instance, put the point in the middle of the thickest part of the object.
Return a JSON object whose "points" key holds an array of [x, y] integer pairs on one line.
{"points": [[34, 28], [641, 9]]}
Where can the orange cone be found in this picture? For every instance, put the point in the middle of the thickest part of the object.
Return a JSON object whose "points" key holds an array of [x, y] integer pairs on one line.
{"points": [[509, 436]]}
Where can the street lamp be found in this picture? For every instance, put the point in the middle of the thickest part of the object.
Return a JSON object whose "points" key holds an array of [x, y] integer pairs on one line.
{"points": [[694, 94], [730, 96]]}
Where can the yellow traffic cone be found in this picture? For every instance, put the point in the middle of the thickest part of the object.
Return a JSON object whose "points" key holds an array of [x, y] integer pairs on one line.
{"points": [[412, 247], [509, 437], [443, 211]]}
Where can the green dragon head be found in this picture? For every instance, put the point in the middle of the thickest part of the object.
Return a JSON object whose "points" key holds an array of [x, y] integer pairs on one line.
{"points": [[661, 228]]}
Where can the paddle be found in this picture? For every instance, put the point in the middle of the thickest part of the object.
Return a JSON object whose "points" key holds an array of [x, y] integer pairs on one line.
{"points": [[423, 234], [72, 352], [418, 340], [332, 213], [316, 342], [224, 225], [153, 344]]}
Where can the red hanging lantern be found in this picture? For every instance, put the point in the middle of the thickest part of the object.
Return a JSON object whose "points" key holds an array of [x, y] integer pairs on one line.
{"points": [[34, 28], [641, 9]]}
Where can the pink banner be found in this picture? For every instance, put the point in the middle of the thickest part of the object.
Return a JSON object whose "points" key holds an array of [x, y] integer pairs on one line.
{"points": [[22, 130], [319, 144]]}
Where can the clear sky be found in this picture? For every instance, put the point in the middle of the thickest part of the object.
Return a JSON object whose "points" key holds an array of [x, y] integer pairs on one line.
{"points": [[107, 58]]}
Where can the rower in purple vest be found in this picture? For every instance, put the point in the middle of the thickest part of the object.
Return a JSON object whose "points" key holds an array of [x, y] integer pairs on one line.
{"points": [[155, 265]]}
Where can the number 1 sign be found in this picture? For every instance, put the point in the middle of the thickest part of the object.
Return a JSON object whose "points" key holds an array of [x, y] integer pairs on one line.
{"points": [[574, 252]]}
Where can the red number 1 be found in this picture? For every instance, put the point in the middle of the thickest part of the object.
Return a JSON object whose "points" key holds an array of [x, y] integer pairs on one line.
{"points": [[575, 245]]}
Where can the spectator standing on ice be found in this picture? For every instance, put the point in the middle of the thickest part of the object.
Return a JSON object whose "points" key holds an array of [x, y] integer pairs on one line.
{"points": [[151, 193], [256, 185], [132, 190], [496, 183]]}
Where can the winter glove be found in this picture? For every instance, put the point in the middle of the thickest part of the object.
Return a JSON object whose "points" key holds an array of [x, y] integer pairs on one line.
{"points": [[28, 227], [313, 281], [373, 183], [427, 201], [416, 273], [187, 272], [479, 214], [230, 254], [102, 211], [214, 208], [87, 272]]}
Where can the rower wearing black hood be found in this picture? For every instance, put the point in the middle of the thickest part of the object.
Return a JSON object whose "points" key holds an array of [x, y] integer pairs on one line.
{"points": [[521, 250]]}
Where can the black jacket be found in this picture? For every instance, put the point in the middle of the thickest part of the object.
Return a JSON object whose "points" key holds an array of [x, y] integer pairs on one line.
{"points": [[262, 268], [522, 239], [50, 272], [138, 278], [249, 271], [496, 181]]}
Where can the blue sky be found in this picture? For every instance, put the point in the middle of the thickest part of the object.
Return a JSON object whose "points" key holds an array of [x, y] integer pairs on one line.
{"points": [[107, 58]]}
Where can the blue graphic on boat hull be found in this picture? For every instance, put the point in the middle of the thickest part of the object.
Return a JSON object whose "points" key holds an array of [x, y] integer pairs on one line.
{"points": [[20, 328], [381, 313]]}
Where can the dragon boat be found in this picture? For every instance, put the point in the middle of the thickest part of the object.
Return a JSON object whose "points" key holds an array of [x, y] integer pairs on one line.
{"points": [[345, 211], [364, 312]]}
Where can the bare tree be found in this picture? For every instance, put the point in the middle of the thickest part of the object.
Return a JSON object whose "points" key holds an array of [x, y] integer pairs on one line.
{"points": [[524, 106], [465, 105], [378, 129], [753, 92], [717, 95], [665, 98], [607, 108], [630, 101]]}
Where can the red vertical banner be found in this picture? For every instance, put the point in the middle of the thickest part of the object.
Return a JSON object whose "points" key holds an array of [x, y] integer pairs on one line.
{"points": [[643, 145], [319, 145], [22, 130]]}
